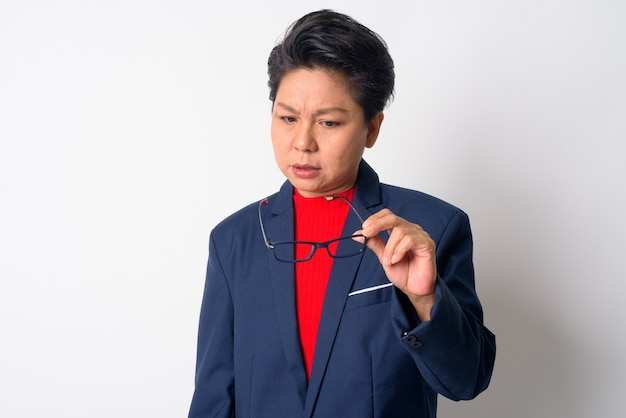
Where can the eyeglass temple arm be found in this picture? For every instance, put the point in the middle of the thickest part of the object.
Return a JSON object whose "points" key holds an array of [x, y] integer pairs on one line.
{"points": [[356, 212], [267, 243], [328, 199]]}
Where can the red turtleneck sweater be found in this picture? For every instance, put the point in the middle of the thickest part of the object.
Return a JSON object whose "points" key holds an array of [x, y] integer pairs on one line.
{"points": [[315, 220]]}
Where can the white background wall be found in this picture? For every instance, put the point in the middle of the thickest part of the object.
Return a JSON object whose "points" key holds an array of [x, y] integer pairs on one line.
{"points": [[128, 129]]}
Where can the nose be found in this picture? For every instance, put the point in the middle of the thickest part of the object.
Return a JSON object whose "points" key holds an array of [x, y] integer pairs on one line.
{"points": [[305, 140]]}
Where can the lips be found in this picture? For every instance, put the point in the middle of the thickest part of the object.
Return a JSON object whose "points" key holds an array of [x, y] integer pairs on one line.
{"points": [[304, 170]]}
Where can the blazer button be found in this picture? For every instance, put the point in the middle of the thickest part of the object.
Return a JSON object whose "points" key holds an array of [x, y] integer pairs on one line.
{"points": [[411, 340]]}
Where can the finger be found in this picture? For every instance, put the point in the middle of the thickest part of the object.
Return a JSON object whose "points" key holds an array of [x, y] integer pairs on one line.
{"points": [[379, 222], [391, 246], [404, 245], [402, 238], [405, 240], [375, 243]]}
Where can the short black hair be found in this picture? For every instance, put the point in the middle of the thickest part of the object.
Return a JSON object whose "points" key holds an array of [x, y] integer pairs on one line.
{"points": [[333, 41]]}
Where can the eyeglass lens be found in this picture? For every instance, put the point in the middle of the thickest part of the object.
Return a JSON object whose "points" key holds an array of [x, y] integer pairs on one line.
{"points": [[302, 251]]}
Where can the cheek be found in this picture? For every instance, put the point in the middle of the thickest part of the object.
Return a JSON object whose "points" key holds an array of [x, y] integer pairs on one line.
{"points": [[352, 150], [280, 151], [279, 138], [275, 136]]}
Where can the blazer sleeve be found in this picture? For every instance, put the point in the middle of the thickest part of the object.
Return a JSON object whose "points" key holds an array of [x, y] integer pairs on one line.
{"points": [[214, 381], [454, 351]]}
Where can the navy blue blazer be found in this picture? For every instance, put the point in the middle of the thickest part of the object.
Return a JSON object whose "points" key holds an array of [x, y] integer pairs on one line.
{"points": [[373, 357]]}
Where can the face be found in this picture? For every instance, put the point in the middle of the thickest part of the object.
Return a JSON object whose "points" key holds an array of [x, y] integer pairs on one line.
{"points": [[319, 132]]}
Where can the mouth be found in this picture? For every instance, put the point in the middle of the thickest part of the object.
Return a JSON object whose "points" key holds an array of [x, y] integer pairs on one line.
{"points": [[304, 170], [303, 167]]}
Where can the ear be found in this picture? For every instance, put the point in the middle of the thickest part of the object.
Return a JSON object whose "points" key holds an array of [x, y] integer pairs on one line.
{"points": [[373, 129]]}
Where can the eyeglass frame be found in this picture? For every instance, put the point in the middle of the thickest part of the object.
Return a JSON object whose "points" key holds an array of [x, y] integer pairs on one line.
{"points": [[315, 245]]}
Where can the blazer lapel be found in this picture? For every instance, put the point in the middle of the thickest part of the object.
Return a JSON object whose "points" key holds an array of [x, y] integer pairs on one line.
{"points": [[279, 226], [367, 201], [278, 221], [339, 284]]}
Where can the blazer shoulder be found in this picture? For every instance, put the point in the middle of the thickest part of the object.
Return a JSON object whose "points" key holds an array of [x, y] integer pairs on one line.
{"points": [[402, 199], [244, 218]]}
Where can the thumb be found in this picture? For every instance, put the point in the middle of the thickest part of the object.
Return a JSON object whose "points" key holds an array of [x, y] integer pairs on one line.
{"points": [[375, 243]]}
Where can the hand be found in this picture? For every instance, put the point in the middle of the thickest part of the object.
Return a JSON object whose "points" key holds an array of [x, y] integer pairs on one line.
{"points": [[408, 257]]}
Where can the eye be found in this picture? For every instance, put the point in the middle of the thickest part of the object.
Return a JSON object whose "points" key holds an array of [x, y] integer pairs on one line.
{"points": [[329, 124], [288, 119]]}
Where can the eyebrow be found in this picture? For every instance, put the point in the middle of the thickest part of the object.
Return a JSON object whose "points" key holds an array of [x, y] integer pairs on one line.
{"points": [[317, 113]]}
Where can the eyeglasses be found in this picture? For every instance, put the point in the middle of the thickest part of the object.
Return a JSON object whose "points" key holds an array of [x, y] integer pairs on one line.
{"points": [[299, 251]]}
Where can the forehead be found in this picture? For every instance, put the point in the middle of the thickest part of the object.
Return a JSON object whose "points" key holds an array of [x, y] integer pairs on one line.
{"points": [[315, 85]]}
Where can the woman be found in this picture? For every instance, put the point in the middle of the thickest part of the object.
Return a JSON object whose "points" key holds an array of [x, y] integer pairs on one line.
{"points": [[338, 295]]}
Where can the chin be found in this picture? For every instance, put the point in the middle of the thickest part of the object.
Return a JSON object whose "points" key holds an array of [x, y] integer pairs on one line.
{"points": [[307, 191]]}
